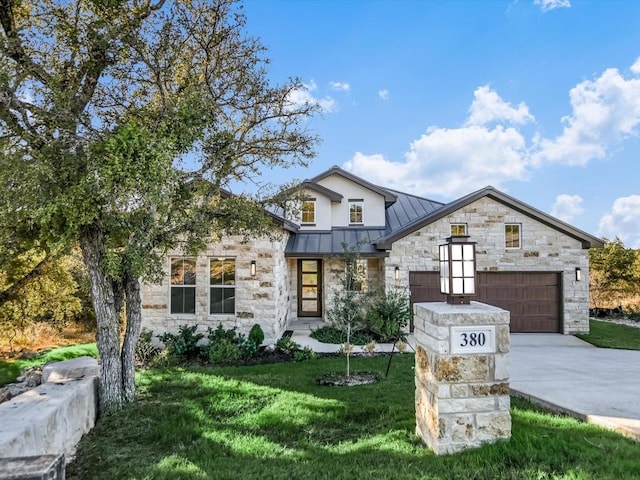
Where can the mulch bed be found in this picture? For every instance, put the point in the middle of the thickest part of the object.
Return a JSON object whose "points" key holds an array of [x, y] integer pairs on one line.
{"points": [[334, 379]]}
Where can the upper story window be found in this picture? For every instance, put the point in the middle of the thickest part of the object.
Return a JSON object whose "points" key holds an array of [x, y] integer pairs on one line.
{"points": [[356, 207], [222, 286], [512, 236], [309, 211], [458, 229], [183, 285]]}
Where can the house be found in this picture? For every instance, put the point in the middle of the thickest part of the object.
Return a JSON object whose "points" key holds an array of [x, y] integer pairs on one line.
{"points": [[528, 262]]}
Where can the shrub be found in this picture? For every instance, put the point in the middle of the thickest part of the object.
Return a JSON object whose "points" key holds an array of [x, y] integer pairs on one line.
{"points": [[388, 315], [228, 346], [286, 345], [184, 345], [224, 351], [305, 354], [145, 350], [256, 335]]}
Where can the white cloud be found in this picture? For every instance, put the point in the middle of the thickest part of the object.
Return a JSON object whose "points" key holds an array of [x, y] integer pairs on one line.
{"points": [[567, 207], [623, 221], [635, 68], [383, 94], [606, 111], [548, 5], [304, 96], [487, 107], [449, 162], [340, 86]]}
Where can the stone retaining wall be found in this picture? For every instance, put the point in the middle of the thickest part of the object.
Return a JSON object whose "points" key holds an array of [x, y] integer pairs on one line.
{"points": [[53, 417]]}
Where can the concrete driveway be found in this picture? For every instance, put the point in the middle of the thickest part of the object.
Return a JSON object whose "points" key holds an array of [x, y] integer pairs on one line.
{"points": [[597, 385]]}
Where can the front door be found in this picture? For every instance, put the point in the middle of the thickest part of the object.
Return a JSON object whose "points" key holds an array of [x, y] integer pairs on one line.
{"points": [[309, 288]]}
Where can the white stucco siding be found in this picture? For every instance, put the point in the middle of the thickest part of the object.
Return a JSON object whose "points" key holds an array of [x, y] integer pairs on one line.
{"points": [[373, 208], [542, 249], [261, 299], [323, 211]]}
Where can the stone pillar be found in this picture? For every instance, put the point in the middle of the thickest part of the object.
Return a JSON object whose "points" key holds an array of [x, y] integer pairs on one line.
{"points": [[462, 375]]}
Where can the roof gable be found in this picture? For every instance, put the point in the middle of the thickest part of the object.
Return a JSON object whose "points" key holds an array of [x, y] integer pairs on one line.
{"points": [[333, 196], [389, 197], [587, 240]]}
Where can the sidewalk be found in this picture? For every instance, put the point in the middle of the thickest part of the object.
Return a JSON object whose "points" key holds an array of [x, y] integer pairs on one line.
{"points": [[302, 329]]}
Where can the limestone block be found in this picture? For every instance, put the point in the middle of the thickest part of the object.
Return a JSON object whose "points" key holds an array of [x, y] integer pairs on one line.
{"points": [[461, 405], [503, 339], [70, 369], [469, 368], [49, 419], [40, 467], [501, 367], [493, 425]]}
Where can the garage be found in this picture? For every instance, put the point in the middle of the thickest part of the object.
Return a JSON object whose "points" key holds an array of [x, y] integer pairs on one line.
{"points": [[533, 298]]}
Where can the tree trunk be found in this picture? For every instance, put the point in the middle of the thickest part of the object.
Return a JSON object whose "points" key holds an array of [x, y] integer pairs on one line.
{"points": [[111, 396], [134, 320]]}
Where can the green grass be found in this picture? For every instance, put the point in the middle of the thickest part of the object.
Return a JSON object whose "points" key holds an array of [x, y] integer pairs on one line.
{"points": [[10, 369], [612, 335], [274, 422]]}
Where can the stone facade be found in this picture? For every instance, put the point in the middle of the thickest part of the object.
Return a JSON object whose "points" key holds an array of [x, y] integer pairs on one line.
{"points": [[542, 249], [262, 299], [462, 400]]}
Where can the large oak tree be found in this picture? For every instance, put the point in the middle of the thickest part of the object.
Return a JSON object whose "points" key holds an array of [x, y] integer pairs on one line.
{"points": [[121, 123]]}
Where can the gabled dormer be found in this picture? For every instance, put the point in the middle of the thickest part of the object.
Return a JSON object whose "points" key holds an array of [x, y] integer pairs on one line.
{"points": [[337, 198]]}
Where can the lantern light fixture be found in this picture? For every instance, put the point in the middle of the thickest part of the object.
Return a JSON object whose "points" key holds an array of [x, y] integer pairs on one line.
{"points": [[457, 260], [396, 273], [253, 268], [578, 274]]}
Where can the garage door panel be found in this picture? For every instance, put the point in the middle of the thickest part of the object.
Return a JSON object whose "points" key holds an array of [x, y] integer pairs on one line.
{"points": [[532, 298]]}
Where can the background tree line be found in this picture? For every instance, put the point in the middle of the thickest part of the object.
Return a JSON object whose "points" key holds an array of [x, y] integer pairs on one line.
{"points": [[614, 277]]}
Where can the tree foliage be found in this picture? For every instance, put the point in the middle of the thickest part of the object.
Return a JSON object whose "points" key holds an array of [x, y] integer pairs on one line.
{"points": [[121, 124], [48, 297], [614, 273]]}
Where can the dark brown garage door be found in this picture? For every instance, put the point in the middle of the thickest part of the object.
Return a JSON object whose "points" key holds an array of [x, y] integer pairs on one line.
{"points": [[533, 298]]}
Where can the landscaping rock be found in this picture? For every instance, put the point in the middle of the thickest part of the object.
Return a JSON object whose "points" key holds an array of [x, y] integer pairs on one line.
{"points": [[69, 369]]}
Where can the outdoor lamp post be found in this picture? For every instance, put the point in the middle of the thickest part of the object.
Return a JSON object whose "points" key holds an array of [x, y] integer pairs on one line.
{"points": [[458, 269]]}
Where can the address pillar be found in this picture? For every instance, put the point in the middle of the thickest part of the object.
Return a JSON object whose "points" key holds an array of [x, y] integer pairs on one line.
{"points": [[462, 375]]}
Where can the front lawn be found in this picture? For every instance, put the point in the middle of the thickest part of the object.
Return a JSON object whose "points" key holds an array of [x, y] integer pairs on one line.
{"points": [[611, 335], [274, 422]]}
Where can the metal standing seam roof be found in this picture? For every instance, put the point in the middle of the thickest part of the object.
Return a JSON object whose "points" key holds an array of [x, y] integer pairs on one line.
{"points": [[406, 213], [330, 242], [405, 210]]}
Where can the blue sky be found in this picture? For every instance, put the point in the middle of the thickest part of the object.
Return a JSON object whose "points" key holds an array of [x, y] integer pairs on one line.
{"points": [[538, 98]]}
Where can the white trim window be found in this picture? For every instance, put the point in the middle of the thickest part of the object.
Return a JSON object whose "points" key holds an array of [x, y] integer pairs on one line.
{"points": [[309, 212], [512, 235], [458, 229], [356, 211], [183, 285], [222, 286]]}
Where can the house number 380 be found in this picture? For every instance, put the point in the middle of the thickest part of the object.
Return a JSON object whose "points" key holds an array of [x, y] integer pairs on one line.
{"points": [[473, 339]]}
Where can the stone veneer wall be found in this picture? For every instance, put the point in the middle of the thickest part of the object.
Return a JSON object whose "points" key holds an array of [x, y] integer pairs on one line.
{"points": [[543, 249], [262, 299]]}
